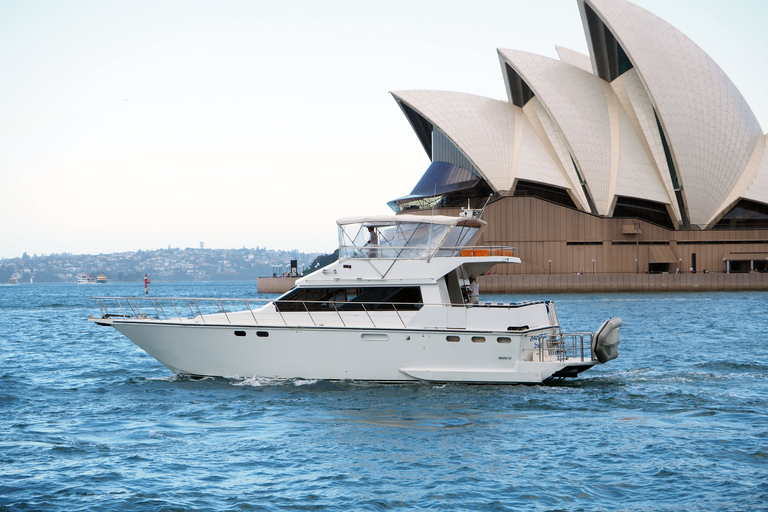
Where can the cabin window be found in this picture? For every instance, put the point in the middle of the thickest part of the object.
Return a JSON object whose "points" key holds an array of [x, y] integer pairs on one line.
{"points": [[239, 333], [478, 339], [262, 334], [374, 298], [452, 339], [504, 339]]}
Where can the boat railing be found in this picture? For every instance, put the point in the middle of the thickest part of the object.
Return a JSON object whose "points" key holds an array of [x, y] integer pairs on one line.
{"points": [[386, 251], [564, 346], [168, 308], [180, 309], [478, 251], [232, 311]]}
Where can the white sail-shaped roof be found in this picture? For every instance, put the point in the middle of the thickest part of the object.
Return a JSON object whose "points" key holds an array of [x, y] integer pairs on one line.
{"points": [[637, 106], [561, 87], [535, 162], [710, 128], [603, 142], [646, 122], [753, 184], [494, 135], [757, 190], [574, 58]]}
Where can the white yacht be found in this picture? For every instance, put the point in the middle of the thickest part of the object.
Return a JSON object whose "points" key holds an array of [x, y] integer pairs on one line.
{"points": [[392, 308]]}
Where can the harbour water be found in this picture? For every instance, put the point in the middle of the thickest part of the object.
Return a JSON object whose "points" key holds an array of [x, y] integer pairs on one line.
{"points": [[678, 422]]}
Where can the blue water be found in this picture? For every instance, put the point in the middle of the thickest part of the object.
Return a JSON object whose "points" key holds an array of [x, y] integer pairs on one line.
{"points": [[678, 422]]}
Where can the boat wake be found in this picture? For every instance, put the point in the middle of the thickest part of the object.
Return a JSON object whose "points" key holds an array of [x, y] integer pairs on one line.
{"points": [[273, 381]]}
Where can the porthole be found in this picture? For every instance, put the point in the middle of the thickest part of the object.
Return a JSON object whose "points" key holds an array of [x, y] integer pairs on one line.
{"points": [[478, 339], [504, 339], [262, 334], [452, 339], [239, 333], [374, 336]]}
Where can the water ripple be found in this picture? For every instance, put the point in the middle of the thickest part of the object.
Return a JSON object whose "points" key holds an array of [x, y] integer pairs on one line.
{"points": [[678, 422]]}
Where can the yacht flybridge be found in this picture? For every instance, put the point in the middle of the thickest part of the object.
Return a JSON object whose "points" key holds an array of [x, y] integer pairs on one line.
{"points": [[394, 307]]}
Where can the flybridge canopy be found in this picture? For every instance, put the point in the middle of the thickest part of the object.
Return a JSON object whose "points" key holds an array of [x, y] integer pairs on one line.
{"points": [[374, 220], [407, 236]]}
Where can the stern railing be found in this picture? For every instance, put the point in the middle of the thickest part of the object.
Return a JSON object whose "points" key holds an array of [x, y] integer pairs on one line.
{"points": [[564, 346]]}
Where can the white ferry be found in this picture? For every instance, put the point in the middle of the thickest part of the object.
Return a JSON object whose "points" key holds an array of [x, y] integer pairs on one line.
{"points": [[86, 279], [393, 308]]}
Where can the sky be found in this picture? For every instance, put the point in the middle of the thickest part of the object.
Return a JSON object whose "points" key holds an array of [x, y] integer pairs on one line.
{"points": [[143, 124]]}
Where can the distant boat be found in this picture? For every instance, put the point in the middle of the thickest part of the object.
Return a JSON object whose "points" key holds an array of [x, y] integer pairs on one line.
{"points": [[13, 280], [101, 279], [86, 279]]}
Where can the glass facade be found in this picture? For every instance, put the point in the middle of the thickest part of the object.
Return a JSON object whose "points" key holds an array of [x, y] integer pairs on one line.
{"points": [[519, 91], [745, 215], [611, 59], [443, 150], [553, 194], [645, 210], [673, 174], [442, 178], [667, 153], [624, 63], [451, 180]]}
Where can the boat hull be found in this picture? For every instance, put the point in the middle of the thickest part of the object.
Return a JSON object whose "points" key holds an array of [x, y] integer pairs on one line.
{"points": [[382, 355]]}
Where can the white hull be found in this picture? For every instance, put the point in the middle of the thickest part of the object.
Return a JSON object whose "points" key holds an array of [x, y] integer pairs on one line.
{"points": [[339, 354], [393, 308]]}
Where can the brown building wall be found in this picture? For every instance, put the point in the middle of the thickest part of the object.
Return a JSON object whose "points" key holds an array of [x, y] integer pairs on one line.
{"points": [[587, 283], [275, 284], [610, 283], [571, 240], [543, 232]]}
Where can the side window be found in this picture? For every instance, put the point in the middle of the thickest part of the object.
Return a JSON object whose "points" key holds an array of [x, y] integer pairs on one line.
{"points": [[407, 298], [351, 299], [291, 301]]}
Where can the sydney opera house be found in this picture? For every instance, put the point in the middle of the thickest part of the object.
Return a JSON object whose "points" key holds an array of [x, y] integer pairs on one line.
{"points": [[639, 157]]}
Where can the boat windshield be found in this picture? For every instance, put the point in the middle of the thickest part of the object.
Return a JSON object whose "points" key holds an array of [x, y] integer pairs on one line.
{"points": [[402, 239]]}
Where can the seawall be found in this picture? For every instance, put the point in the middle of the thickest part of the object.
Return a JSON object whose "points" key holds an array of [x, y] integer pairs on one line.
{"points": [[274, 284], [609, 283]]}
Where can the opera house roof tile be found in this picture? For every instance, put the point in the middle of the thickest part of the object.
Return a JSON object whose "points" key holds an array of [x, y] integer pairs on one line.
{"points": [[648, 120]]}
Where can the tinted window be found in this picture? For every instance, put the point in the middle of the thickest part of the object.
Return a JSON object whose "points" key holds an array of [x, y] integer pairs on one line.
{"points": [[351, 299]]}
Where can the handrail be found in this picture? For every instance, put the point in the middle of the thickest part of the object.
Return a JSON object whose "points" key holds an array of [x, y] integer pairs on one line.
{"points": [[183, 298], [564, 346], [132, 307], [386, 251]]}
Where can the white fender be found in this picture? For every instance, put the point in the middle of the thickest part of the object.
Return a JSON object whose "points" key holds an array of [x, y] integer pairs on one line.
{"points": [[605, 342]]}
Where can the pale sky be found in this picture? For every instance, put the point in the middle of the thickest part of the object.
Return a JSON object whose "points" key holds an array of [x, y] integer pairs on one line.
{"points": [[141, 124]]}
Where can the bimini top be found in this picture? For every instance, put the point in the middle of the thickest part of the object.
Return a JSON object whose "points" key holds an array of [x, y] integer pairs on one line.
{"points": [[407, 236], [375, 220]]}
